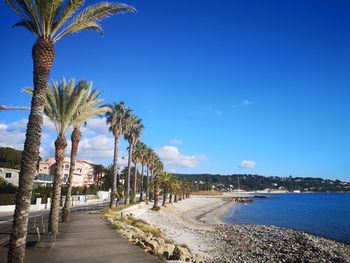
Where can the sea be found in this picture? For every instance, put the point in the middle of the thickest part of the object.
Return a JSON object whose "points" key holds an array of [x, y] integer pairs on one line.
{"points": [[321, 214]]}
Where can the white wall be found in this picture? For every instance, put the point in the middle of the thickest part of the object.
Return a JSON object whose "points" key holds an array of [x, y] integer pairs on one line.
{"points": [[13, 173]]}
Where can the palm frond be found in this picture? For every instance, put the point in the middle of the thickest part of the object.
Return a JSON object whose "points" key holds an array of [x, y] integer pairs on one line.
{"points": [[89, 18]]}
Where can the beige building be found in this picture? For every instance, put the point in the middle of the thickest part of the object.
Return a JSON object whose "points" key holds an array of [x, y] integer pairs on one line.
{"points": [[83, 172]]}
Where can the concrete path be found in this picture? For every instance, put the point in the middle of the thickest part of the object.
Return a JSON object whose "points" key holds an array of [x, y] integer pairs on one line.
{"points": [[89, 238]]}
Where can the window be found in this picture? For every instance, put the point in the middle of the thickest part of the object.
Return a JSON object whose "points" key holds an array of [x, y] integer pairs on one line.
{"points": [[67, 166], [8, 175]]}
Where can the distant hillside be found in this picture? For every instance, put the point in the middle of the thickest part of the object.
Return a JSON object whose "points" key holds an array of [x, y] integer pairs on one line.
{"points": [[250, 182], [10, 158]]}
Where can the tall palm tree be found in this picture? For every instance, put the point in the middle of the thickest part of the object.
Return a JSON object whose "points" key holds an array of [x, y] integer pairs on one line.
{"points": [[143, 159], [89, 107], [136, 158], [157, 169], [49, 21], [165, 180], [133, 134], [116, 118], [61, 105], [151, 163]]}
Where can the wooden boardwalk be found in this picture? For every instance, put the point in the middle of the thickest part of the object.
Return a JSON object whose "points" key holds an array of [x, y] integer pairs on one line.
{"points": [[88, 238]]}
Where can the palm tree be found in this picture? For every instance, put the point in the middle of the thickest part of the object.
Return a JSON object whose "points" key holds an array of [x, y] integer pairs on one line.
{"points": [[151, 162], [49, 21], [143, 159], [116, 118], [133, 134], [165, 179], [61, 105], [157, 169], [90, 106], [136, 158]]}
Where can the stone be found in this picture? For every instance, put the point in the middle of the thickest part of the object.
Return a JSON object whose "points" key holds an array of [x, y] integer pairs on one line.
{"points": [[198, 259], [166, 250], [182, 253]]}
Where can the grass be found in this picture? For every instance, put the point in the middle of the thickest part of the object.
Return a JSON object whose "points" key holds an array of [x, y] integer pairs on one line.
{"points": [[114, 209], [141, 224], [207, 193]]}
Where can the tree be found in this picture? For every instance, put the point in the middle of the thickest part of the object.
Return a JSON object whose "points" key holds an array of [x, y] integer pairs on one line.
{"points": [[133, 133], [136, 158], [143, 150], [116, 118], [99, 172], [89, 107], [157, 169], [165, 179], [61, 105], [49, 21]]}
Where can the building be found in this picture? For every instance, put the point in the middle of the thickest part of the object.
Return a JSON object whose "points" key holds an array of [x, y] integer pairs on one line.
{"points": [[10, 175], [83, 173]]}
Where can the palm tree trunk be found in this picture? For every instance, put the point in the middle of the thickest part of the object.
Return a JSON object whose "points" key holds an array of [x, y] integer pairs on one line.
{"points": [[164, 198], [175, 199], [60, 146], [170, 198], [115, 182], [135, 183], [147, 184], [151, 181], [141, 187], [75, 138], [43, 54], [127, 197], [155, 193]]}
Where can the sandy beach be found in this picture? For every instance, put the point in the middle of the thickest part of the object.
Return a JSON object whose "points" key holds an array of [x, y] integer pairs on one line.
{"points": [[197, 222], [191, 222]]}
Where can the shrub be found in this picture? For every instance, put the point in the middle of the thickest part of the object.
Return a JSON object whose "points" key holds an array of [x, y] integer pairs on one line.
{"points": [[7, 199]]}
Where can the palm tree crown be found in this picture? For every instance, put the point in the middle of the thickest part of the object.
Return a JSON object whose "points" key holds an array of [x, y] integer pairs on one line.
{"points": [[116, 117], [52, 20]]}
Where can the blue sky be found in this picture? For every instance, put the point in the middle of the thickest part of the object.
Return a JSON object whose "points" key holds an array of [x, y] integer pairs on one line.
{"points": [[227, 86]]}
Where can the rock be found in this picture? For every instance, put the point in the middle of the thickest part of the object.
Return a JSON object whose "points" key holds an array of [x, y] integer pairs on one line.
{"points": [[181, 253], [166, 250], [198, 259], [153, 244]]}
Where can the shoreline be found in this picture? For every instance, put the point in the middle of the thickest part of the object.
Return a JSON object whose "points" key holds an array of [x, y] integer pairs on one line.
{"points": [[198, 223]]}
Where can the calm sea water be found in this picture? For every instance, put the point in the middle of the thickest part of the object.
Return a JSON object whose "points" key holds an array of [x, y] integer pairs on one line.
{"points": [[326, 215]]}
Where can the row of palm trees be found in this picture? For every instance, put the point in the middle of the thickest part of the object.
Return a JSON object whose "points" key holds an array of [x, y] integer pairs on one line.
{"points": [[49, 21]]}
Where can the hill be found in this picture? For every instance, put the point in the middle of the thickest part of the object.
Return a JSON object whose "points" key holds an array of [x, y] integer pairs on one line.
{"points": [[250, 182], [10, 158]]}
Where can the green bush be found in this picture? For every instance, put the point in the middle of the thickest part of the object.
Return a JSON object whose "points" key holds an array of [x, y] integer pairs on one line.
{"points": [[7, 199]]}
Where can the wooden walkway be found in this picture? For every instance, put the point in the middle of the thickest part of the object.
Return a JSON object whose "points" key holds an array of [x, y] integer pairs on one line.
{"points": [[89, 238]]}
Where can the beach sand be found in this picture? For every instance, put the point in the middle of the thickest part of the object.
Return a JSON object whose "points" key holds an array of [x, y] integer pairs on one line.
{"points": [[191, 222]]}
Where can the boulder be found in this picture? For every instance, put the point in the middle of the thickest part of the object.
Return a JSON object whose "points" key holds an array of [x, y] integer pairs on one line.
{"points": [[153, 244], [166, 250], [181, 253], [198, 259]]}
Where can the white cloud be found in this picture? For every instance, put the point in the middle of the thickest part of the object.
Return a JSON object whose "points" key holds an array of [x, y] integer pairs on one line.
{"points": [[247, 102], [176, 141], [247, 164], [171, 156], [13, 134], [96, 126]]}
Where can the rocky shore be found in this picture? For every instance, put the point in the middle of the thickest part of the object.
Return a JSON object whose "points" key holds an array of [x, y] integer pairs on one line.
{"points": [[260, 243]]}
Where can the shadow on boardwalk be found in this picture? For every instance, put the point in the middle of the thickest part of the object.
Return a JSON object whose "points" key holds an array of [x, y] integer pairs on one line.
{"points": [[88, 238]]}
